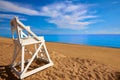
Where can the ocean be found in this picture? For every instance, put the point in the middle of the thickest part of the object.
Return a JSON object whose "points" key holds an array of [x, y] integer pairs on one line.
{"points": [[103, 40]]}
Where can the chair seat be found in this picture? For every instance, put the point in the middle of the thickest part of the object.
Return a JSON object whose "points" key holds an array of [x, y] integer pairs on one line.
{"points": [[30, 40]]}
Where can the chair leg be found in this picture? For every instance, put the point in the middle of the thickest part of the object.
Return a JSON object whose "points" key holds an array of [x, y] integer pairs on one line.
{"points": [[14, 55], [22, 59], [47, 53], [35, 50]]}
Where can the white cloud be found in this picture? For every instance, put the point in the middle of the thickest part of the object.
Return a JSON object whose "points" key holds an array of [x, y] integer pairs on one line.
{"points": [[12, 7], [10, 16], [64, 15], [67, 15]]}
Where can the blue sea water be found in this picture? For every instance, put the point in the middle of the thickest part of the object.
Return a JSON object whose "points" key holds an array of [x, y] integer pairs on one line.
{"points": [[109, 40], [103, 40]]}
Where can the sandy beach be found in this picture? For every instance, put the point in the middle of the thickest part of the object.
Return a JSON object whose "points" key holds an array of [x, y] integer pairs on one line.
{"points": [[71, 62]]}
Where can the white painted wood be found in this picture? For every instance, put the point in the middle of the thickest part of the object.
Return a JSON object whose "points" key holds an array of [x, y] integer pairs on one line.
{"points": [[22, 59], [30, 40], [29, 31], [36, 70], [15, 54], [23, 40], [47, 53], [36, 49]]}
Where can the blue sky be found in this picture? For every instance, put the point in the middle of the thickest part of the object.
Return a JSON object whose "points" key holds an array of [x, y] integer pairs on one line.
{"points": [[62, 16]]}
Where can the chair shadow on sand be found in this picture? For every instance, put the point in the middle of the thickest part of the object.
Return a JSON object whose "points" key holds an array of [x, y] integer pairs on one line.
{"points": [[5, 70], [6, 73], [118, 75]]}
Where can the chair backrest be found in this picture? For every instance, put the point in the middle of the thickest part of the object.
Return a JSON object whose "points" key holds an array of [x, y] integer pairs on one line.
{"points": [[18, 29]]}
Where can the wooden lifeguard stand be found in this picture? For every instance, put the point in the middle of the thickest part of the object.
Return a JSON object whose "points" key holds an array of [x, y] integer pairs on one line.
{"points": [[21, 40]]}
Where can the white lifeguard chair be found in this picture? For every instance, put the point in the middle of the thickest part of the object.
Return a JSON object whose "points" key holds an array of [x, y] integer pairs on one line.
{"points": [[23, 37]]}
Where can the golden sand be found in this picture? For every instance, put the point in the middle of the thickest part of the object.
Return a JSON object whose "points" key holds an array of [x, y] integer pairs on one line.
{"points": [[71, 62]]}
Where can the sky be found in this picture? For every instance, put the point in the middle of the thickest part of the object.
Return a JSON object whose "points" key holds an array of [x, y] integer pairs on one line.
{"points": [[62, 16]]}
